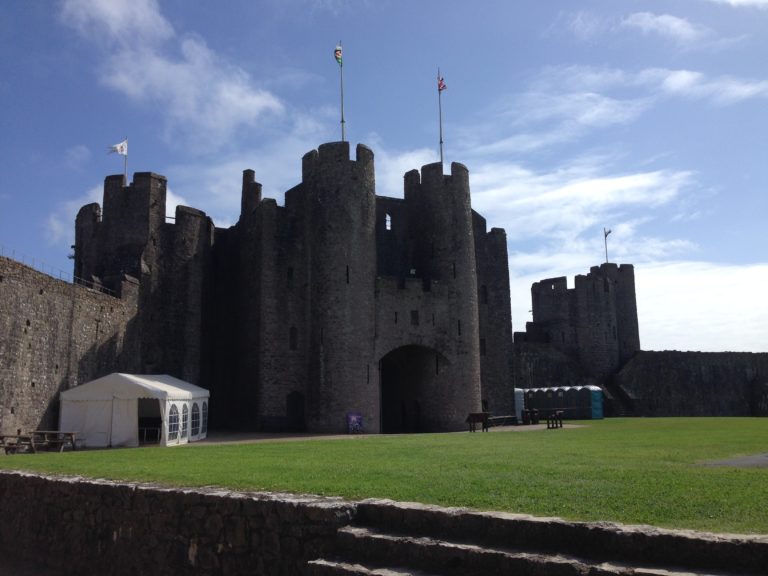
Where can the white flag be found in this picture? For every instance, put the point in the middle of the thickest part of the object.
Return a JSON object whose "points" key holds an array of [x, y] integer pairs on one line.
{"points": [[120, 148]]}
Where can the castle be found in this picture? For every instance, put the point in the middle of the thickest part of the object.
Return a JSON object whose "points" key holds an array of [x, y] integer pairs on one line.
{"points": [[338, 302], [595, 322], [589, 334]]}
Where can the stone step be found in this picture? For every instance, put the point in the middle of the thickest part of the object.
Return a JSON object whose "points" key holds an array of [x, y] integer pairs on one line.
{"points": [[593, 542], [358, 544], [323, 567]]}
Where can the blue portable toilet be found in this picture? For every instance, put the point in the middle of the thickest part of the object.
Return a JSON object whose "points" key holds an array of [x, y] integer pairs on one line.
{"points": [[597, 402]]}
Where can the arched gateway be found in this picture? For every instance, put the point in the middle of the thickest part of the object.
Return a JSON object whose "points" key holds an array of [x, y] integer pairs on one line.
{"points": [[414, 382]]}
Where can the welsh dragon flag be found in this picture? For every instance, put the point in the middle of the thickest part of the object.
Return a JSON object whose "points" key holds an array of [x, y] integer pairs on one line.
{"points": [[337, 54]]}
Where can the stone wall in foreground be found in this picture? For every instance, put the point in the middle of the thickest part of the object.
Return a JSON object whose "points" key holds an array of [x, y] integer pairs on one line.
{"points": [[77, 527], [73, 526]]}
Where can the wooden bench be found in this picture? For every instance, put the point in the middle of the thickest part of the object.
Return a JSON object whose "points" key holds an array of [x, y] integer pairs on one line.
{"points": [[502, 420], [475, 418]]}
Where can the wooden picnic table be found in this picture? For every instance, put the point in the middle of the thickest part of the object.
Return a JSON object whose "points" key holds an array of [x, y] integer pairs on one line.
{"points": [[53, 439], [33, 441], [12, 443]]}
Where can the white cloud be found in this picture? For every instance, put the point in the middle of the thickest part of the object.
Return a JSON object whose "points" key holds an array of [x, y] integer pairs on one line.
{"points": [[747, 3], [204, 100], [722, 90], [77, 156], [559, 207], [702, 306], [682, 304], [678, 29], [586, 26], [133, 23]]}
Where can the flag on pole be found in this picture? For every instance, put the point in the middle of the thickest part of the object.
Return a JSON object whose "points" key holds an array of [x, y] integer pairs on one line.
{"points": [[337, 54], [120, 148], [441, 84], [606, 232]]}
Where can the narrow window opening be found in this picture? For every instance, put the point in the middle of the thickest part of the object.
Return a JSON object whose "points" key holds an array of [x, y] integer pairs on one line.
{"points": [[433, 319], [347, 274], [454, 269], [293, 338], [482, 346], [395, 317], [367, 373], [437, 364], [388, 222], [414, 317], [459, 326]]}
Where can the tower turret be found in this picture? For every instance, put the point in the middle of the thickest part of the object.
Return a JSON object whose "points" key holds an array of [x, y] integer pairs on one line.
{"points": [[341, 249], [444, 252]]}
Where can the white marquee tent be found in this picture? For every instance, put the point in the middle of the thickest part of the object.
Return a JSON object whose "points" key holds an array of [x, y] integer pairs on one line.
{"points": [[121, 409]]}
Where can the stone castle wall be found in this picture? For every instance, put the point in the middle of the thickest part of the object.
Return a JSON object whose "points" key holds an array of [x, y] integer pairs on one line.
{"points": [[674, 383], [55, 335]]}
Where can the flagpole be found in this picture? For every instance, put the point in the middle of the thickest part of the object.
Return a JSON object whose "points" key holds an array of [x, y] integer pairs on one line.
{"points": [[125, 163], [341, 82], [440, 112], [605, 239]]}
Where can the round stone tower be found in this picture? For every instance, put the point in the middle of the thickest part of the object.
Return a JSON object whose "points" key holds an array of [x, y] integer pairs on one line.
{"points": [[340, 211], [444, 255]]}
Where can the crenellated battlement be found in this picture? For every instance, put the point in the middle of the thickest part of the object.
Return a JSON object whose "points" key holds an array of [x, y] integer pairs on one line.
{"points": [[595, 322], [328, 157], [287, 315]]}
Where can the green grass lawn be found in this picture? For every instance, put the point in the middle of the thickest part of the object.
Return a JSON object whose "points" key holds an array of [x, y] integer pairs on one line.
{"points": [[626, 470]]}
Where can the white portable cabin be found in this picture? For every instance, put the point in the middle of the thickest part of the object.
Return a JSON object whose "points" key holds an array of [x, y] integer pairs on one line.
{"points": [[108, 411], [519, 403]]}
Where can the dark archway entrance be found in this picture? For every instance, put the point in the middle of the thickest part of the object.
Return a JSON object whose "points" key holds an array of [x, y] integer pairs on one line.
{"points": [[408, 388], [294, 411]]}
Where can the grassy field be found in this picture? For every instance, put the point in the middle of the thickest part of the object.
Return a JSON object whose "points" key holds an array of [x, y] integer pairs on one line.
{"points": [[645, 471]]}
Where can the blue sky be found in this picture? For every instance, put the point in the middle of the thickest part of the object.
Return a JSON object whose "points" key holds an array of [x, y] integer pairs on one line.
{"points": [[646, 117]]}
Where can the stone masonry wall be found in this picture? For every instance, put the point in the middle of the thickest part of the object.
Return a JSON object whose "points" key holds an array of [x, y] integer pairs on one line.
{"points": [[75, 526], [53, 336], [78, 526], [696, 383]]}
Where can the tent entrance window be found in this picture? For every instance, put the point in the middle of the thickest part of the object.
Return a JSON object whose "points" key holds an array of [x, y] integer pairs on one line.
{"points": [[150, 421], [173, 423]]}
